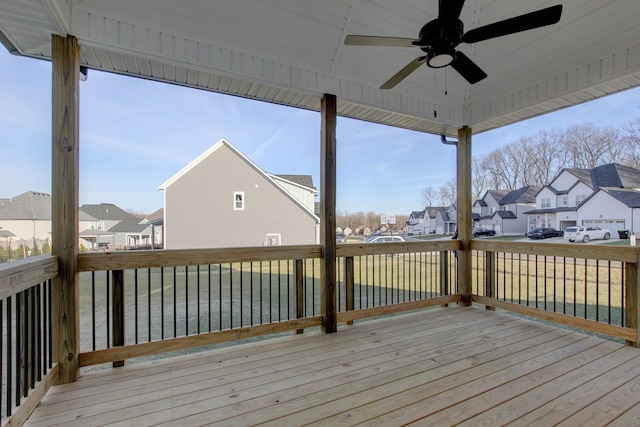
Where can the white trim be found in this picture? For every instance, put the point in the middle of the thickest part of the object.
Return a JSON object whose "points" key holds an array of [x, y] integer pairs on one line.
{"points": [[235, 200]]}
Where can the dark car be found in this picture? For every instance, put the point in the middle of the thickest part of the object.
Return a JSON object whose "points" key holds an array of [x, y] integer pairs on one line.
{"points": [[477, 232], [543, 233], [341, 238]]}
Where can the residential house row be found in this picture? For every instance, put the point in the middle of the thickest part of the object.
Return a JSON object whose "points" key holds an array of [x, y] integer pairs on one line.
{"points": [[26, 220], [607, 196]]}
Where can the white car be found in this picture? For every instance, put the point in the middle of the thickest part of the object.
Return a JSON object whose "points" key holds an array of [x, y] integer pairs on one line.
{"points": [[584, 233], [385, 239]]}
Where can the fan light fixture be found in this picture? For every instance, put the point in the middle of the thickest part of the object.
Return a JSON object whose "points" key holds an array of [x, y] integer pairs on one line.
{"points": [[441, 57]]}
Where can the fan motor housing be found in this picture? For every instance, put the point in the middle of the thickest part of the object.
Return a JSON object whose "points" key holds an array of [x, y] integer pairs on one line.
{"points": [[432, 33]]}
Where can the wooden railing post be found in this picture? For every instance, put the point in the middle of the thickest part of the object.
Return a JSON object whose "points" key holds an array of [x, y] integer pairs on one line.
{"points": [[464, 214], [117, 311], [632, 301], [300, 292], [444, 274], [65, 129], [329, 112], [349, 285], [490, 277]]}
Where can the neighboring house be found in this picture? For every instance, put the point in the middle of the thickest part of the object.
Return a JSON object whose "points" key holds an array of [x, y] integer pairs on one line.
{"points": [[504, 210], [606, 196], [223, 199], [27, 215], [446, 221], [424, 221], [102, 228]]}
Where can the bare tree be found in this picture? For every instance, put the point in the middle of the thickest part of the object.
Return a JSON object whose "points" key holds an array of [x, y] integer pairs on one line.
{"points": [[448, 193], [589, 146], [479, 178], [631, 139], [429, 196]]}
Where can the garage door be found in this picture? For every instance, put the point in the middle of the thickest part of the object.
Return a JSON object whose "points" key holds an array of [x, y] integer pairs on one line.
{"points": [[612, 224], [565, 224]]}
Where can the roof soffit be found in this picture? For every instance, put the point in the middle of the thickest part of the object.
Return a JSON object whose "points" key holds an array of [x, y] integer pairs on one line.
{"points": [[293, 53]]}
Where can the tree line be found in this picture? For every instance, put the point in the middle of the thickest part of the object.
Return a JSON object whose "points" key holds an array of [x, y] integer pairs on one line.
{"points": [[536, 160], [369, 219]]}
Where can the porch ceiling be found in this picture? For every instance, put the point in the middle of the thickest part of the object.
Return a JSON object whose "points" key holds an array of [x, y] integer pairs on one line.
{"points": [[291, 52]]}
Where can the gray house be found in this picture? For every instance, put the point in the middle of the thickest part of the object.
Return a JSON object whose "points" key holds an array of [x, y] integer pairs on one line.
{"points": [[223, 199], [504, 210]]}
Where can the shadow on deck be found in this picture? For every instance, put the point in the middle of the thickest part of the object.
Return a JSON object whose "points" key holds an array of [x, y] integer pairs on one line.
{"points": [[441, 366]]}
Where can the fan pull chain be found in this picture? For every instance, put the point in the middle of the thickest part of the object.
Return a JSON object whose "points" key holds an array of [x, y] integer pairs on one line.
{"points": [[435, 92], [445, 81]]}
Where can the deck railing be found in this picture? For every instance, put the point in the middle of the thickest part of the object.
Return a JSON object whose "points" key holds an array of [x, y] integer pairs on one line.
{"points": [[135, 304], [26, 367], [140, 303], [587, 286]]}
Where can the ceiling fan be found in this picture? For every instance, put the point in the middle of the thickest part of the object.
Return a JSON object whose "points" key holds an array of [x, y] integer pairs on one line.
{"points": [[439, 38]]}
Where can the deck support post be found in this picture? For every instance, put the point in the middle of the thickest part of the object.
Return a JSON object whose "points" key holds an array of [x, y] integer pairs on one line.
{"points": [[65, 59], [490, 277], [328, 307], [632, 303], [464, 213]]}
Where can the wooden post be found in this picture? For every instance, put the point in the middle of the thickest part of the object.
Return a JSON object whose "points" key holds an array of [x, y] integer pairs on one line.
{"points": [[444, 274], [328, 309], [65, 58], [633, 299], [349, 280], [490, 277], [117, 311], [464, 213], [299, 292]]}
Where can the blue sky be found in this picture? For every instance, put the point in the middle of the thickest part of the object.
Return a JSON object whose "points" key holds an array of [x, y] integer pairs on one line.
{"points": [[135, 134]]}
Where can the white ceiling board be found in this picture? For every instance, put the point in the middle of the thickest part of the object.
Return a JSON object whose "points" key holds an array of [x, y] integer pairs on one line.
{"points": [[292, 52]]}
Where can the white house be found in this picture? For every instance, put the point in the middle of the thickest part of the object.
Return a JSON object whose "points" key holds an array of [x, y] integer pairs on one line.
{"points": [[504, 210], [607, 196], [424, 221]]}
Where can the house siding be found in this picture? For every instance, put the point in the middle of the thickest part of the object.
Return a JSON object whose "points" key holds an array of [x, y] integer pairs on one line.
{"points": [[199, 208], [591, 212]]}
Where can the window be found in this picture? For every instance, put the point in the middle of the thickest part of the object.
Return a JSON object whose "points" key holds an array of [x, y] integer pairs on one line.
{"points": [[493, 210], [545, 203], [238, 200], [580, 198], [565, 200]]}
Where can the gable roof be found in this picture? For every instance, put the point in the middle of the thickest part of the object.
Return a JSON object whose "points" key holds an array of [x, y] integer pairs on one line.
{"points": [[496, 194], [303, 180], [615, 175], [505, 214], [129, 225], [417, 214], [224, 143], [629, 197], [525, 194], [106, 212], [28, 205]]}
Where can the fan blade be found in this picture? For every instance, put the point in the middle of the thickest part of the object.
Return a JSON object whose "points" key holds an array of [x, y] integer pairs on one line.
{"points": [[379, 41], [404, 73], [529, 21], [467, 68], [449, 11]]}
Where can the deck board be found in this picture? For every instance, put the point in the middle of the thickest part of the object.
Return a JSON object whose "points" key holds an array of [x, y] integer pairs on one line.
{"points": [[443, 366]]}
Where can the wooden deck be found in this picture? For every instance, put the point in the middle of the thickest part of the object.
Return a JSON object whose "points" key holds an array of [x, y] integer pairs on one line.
{"points": [[439, 367]]}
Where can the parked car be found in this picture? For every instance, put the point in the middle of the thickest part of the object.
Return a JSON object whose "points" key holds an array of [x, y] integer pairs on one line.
{"points": [[543, 233], [585, 233], [384, 239], [482, 231], [341, 238]]}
